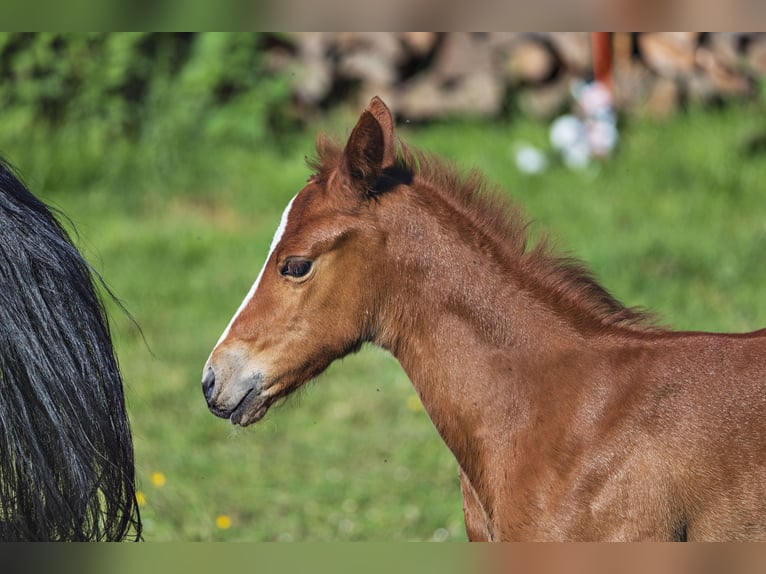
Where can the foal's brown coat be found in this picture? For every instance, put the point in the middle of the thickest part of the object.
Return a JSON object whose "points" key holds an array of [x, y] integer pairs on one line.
{"points": [[571, 416]]}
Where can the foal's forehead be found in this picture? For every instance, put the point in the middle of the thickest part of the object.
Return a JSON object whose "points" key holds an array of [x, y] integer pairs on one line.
{"points": [[311, 203], [301, 213], [307, 201]]}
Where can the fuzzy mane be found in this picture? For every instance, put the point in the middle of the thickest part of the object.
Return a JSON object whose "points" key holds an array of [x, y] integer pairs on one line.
{"points": [[562, 280]]}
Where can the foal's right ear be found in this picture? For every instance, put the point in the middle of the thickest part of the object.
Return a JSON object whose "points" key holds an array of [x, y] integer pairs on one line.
{"points": [[370, 147]]}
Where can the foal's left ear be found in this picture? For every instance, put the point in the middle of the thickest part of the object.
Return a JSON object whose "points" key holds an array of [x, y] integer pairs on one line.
{"points": [[370, 147]]}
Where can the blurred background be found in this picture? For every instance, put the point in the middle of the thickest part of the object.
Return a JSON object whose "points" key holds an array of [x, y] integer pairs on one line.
{"points": [[174, 155]]}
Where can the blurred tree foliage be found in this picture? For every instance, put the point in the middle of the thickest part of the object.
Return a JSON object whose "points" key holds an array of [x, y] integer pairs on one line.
{"points": [[104, 94]]}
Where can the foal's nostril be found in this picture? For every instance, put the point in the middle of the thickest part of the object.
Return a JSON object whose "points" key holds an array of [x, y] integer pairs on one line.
{"points": [[208, 383]]}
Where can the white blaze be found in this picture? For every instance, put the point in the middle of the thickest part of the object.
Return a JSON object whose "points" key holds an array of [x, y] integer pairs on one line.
{"points": [[274, 242]]}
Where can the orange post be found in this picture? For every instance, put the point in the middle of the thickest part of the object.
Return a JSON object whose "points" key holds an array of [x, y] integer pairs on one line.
{"points": [[601, 45]]}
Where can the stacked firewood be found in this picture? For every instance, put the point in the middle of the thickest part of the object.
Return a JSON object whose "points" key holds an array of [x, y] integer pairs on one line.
{"points": [[425, 75]]}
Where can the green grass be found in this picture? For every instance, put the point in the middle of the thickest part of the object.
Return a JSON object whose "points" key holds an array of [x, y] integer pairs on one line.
{"points": [[675, 222]]}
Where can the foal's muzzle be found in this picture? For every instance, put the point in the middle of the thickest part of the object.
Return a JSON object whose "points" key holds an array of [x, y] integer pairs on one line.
{"points": [[235, 395]]}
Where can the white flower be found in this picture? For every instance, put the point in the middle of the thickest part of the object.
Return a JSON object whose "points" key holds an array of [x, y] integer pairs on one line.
{"points": [[530, 160], [567, 131]]}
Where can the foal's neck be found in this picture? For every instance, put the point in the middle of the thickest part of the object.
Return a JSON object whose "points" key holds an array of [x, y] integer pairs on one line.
{"points": [[463, 326]]}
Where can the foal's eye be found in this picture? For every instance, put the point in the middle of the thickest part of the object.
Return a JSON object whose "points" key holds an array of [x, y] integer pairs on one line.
{"points": [[296, 267]]}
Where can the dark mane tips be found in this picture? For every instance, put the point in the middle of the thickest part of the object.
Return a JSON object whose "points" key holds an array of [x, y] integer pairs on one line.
{"points": [[569, 280]]}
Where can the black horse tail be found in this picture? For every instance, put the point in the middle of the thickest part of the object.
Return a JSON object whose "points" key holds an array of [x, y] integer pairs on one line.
{"points": [[67, 471]]}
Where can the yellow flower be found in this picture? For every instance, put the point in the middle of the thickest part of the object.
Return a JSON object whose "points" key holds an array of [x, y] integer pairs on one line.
{"points": [[140, 498], [222, 521], [414, 404], [158, 479]]}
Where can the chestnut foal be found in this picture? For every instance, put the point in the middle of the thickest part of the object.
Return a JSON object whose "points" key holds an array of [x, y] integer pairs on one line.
{"points": [[571, 416]]}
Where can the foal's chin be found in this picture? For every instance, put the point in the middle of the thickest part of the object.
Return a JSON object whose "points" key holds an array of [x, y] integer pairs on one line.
{"points": [[247, 416], [252, 408], [256, 403]]}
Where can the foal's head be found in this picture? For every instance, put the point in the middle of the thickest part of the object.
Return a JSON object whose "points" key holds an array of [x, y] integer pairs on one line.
{"points": [[317, 295]]}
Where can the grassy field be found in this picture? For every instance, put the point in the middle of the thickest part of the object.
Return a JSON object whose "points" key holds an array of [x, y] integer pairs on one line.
{"points": [[675, 222]]}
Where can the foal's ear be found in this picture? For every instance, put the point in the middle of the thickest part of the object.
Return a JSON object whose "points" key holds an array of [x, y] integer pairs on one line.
{"points": [[381, 112], [370, 147]]}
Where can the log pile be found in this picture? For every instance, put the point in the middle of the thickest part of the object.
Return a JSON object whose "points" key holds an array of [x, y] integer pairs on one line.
{"points": [[426, 75]]}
